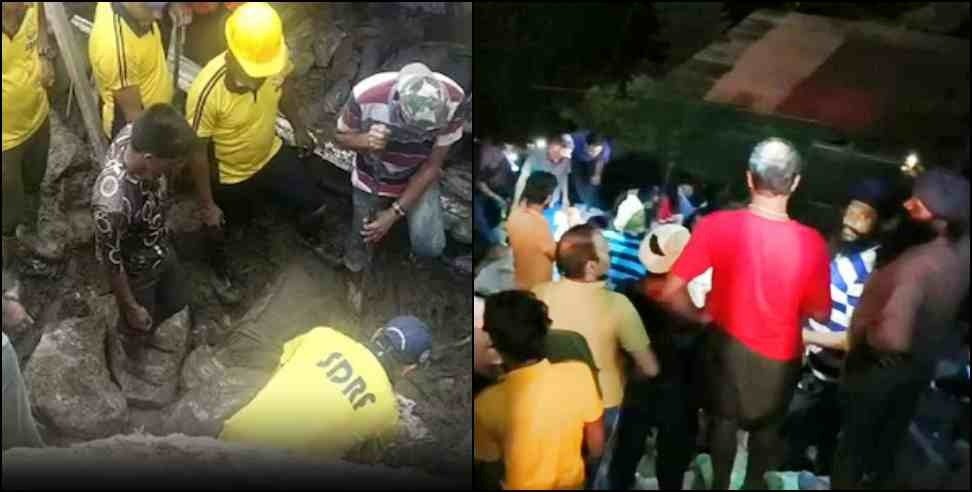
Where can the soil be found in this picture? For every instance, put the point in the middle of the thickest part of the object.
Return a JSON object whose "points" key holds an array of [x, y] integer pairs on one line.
{"points": [[268, 257]]}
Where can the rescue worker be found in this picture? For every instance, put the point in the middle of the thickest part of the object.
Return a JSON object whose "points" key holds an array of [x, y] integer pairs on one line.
{"points": [[232, 107], [332, 395], [402, 124], [27, 72], [128, 60]]}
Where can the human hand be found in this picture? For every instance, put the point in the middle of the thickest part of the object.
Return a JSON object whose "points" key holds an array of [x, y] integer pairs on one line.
{"points": [[374, 231], [596, 180], [47, 73], [211, 215], [138, 318], [14, 314], [378, 137], [304, 142], [181, 14]]}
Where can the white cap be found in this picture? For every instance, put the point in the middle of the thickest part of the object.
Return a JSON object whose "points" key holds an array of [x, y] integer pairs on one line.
{"points": [[662, 246]]}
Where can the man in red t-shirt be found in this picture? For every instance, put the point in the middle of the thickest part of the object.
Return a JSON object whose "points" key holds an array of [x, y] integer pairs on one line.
{"points": [[769, 274]]}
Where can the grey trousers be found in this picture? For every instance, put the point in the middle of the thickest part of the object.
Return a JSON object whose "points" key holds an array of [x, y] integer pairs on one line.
{"points": [[426, 227], [19, 428]]}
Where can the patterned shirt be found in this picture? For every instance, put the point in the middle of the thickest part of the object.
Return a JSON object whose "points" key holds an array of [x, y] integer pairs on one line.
{"points": [[373, 103], [129, 215], [848, 274]]}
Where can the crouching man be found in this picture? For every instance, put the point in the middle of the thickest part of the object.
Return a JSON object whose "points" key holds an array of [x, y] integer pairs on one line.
{"points": [[332, 396], [131, 239], [402, 125]]}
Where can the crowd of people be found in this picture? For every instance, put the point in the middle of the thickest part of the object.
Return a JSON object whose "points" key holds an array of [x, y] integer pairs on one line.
{"points": [[702, 316], [401, 124]]}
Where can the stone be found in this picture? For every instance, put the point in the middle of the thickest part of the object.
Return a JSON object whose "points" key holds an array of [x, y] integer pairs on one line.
{"points": [[200, 368], [182, 216], [202, 410], [69, 382], [336, 97], [457, 216], [152, 382], [68, 152], [327, 44], [457, 180]]}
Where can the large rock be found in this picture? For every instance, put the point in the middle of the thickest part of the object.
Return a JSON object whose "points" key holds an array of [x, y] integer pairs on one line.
{"points": [[457, 202], [153, 382], [69, 383], [68, 152], [215, 393], [458, 220], [182, 217], [327, 44], [457, 181]]}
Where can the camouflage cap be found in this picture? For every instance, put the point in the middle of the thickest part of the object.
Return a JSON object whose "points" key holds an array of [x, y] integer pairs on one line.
{"points": [[424, 99]]}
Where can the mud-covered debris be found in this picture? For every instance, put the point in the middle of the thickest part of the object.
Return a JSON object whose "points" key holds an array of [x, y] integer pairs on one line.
{"points": [[69, 383], [153, 381]]}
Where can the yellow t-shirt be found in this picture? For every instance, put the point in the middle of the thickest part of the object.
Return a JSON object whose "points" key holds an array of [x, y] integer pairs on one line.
{"points": [[608, 322], [120, 58], [25, 105], [533, 421], [242, 126], [329, 395]]}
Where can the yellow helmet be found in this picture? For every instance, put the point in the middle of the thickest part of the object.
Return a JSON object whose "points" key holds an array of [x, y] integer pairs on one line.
{"points": [[254, 34]]}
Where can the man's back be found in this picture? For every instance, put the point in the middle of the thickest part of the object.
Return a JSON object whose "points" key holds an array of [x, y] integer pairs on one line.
{"points": [[534, 421], [606, 319], [329, 395], [767, 274], [909, 305], [533, 247]]}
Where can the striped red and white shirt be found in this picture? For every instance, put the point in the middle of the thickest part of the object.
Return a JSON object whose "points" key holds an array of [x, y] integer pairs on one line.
{"points": [[372, 103]]}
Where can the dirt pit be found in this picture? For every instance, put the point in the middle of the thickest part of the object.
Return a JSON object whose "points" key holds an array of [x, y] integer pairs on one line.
{"points": [[297, 292]]}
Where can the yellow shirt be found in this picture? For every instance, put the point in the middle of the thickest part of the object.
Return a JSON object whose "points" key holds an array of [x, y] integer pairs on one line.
{"points": [[25, 105], [120, 58], [608, 322], [329, 395], [242, 126], [533, 421]]}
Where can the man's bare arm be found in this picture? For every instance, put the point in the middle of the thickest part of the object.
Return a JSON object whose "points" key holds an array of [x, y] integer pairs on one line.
{"points": [[129, 100], [836, 341], [594, 439], [647, 363], [674, 297]]}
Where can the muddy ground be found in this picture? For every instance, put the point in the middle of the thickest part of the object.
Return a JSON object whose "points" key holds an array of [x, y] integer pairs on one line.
{"points": [[307, 294]]}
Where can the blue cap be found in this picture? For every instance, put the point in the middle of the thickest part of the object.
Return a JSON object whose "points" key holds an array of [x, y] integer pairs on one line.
{"points": [[407, 338]]}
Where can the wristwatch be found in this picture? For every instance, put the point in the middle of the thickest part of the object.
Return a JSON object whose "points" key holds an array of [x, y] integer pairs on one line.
{"points": [[398, 209]]}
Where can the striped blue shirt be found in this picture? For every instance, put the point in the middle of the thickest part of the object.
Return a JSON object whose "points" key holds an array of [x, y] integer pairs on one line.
{"points": [[625, 264], [847, 276]]}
